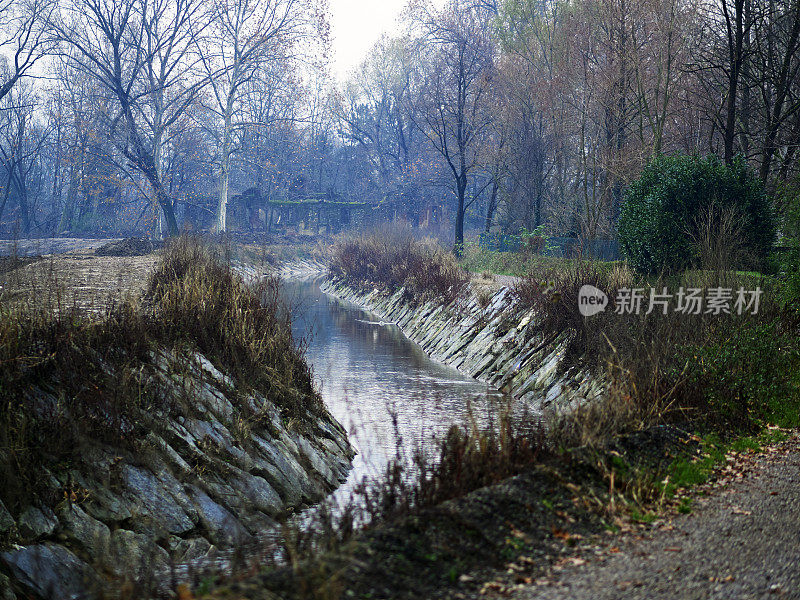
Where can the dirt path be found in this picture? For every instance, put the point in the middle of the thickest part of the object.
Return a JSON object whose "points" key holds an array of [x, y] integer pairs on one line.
{"points": [[40, 247], [742, 541]]}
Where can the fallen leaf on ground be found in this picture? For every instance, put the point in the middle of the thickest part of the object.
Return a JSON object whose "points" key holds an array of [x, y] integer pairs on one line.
{"points": [[494, 586], [560, 534], [563, 515]]}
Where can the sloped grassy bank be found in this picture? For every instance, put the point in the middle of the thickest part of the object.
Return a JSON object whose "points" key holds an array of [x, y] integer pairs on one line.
{"points": [[156, 433]]}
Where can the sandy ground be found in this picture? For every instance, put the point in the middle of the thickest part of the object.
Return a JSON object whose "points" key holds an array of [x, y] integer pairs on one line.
{"points": [[77, 279]]}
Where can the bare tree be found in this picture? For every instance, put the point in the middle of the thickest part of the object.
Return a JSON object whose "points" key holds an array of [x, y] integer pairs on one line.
{"points": [[777, 77], [21, 145], [141, 51], [24, 37], [373, 111], [455, 114], [269, 140], [244, 35]]}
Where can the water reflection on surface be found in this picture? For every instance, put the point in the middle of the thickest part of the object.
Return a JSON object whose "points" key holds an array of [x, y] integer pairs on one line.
{"points": [[380, 386]]}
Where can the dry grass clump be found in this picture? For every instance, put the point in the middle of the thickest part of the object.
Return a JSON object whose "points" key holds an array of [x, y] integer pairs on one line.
{"points": [[553, 294], [468, 458], [392, 258], [68, 376], [196, 298]]}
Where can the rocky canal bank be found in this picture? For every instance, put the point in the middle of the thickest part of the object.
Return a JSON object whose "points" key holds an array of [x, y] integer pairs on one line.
{"points": [[127, 463], [494, 341], [202, 482]]}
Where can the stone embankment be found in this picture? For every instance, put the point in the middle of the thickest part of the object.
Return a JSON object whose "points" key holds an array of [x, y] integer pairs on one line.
{"points": [[491, 339], [214, 474]]}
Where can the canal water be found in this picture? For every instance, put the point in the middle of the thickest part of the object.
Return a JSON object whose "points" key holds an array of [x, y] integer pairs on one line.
{"points": [[390, 397]]}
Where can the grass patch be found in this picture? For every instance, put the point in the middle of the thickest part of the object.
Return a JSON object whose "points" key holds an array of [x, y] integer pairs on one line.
{"points": [[643, 517], [478, 260], [520, 263], [685, 472]]}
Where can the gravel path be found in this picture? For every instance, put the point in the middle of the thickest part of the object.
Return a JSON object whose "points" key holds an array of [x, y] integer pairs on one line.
{"points": [[739, 542]]}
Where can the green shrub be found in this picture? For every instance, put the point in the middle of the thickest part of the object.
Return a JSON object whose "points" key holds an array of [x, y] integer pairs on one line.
{"points": [[789, 259], [748, 378], [659, 223]]}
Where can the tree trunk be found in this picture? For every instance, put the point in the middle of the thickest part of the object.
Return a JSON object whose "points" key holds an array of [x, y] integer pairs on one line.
{"points": [[491, 208], [221, 224], [6, 191], [22, 199], [162, 198], [165, 203], [736, 40], [461, 190], [67, 215]]}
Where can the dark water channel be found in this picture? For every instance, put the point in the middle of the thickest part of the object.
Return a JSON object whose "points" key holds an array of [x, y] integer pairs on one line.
{"points": [[379, 385]]}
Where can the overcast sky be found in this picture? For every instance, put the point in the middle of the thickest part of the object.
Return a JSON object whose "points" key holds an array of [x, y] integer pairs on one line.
{"points": [[356, 25]]}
